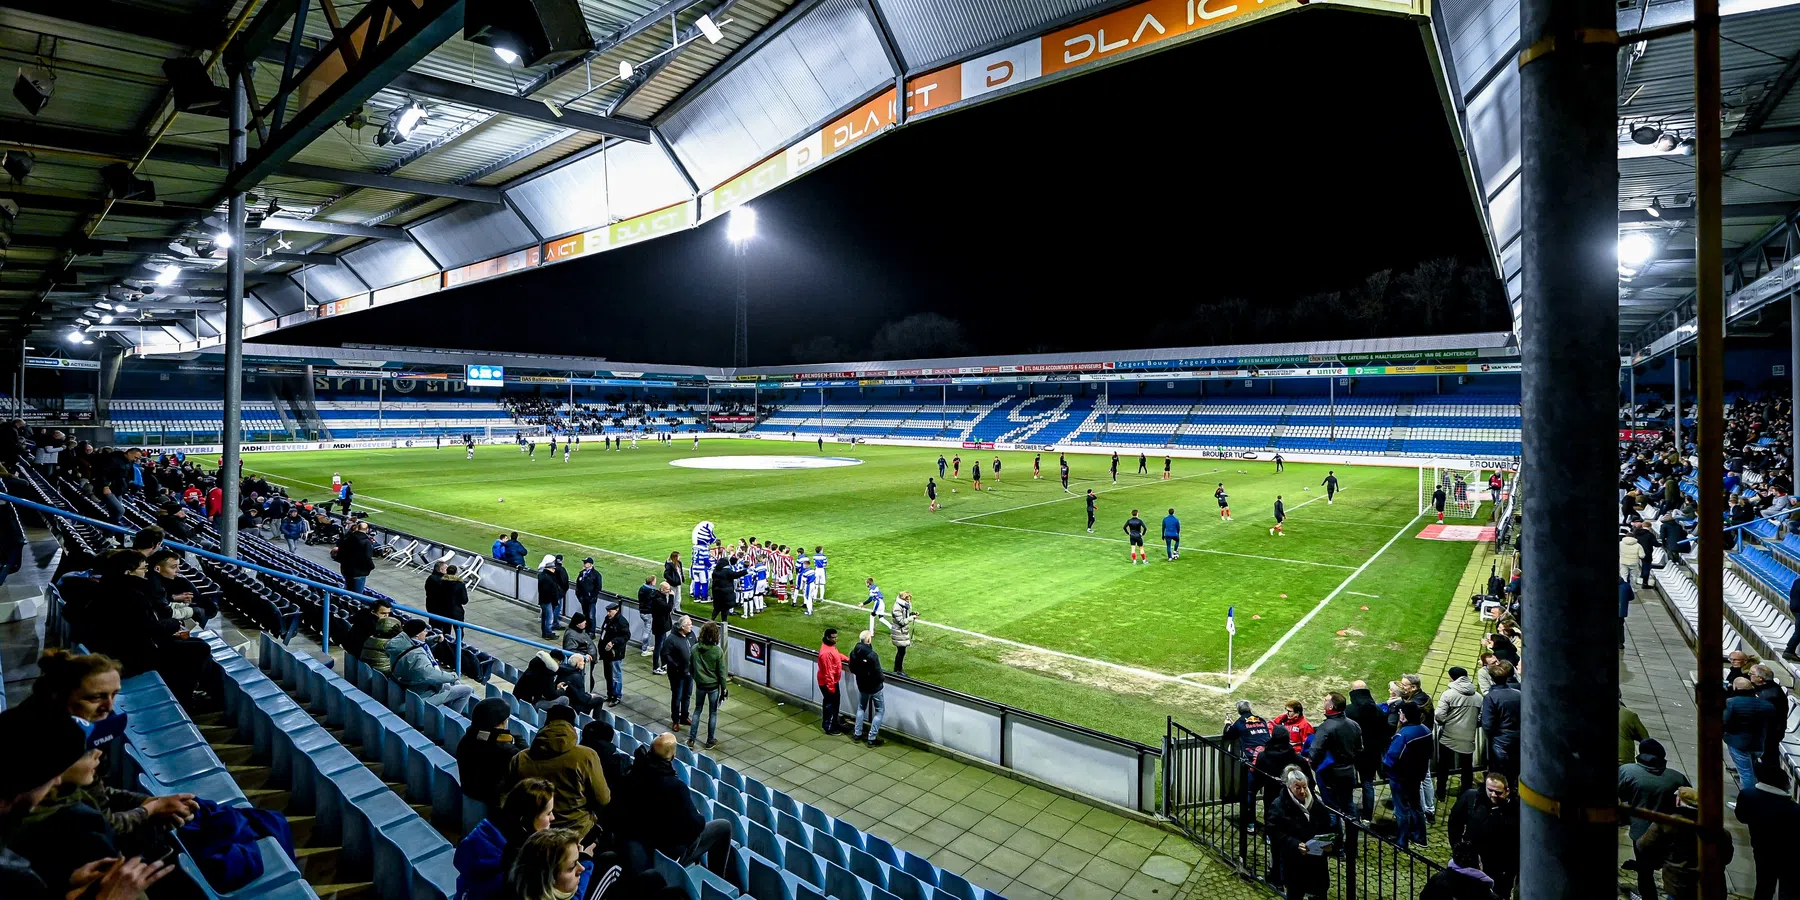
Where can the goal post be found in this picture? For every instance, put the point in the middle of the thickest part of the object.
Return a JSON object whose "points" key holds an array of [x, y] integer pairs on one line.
{"points": [[1463, 488]]}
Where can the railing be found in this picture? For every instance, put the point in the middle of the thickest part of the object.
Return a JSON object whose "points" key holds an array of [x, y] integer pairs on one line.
{"points": [[1209, 793]]}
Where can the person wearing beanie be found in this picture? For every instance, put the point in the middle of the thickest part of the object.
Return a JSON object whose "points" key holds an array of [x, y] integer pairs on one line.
{"points": [[600, 737], [574, 772], [1458, 717], [1649, 783], [486, 750], [1463, 879], [1773, 819]]}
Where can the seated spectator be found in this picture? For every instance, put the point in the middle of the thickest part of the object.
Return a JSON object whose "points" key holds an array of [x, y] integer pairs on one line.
{"points": [[127, 623], [537, 684], [362, 622], [573, 771], [486, 749], [499, 552], [483, 858], [417, 670], [548, 867], [571, 678], [601, 737], [663, 819], [375, 649], [177, 592]]}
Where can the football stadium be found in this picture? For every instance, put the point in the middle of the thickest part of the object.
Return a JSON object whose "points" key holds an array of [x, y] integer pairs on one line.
{"points": [[918, 449]]}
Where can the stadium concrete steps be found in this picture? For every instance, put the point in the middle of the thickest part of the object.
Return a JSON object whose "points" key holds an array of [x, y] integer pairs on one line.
{"points": [[1402, 427]]}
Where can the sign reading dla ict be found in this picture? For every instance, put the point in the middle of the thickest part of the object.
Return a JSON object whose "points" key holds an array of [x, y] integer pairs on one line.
{"points": [[628, 231]]}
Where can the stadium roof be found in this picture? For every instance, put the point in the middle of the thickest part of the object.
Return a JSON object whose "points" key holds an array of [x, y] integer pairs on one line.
{"points": [[514, 168]]}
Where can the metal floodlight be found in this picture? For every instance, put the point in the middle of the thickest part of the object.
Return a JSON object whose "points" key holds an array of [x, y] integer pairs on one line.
{"points": [[1687, 146], [222, 240], [17, 163], [194, 89], [167, 276], [625, 69], [507, 55], [75, 336], [528, 32], [83, 322], [106, 320], [33, 88], [1646, 134], [1655, 209], [87, 341], [1635, 249], [1668, 141], [407, 120], [102, 304], [9, 210], [385, 136], [709, 28], [123, 184], [742, 225], [357, 120]]}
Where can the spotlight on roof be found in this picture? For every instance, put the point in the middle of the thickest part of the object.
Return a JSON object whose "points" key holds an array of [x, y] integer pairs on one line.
{"points": [[102, 304], [1655, 209], [222, 240], [106, 320], [17, 163], [532, 32], [194, 89], [625, 69], [1668, 141], [1646, 134], [742, 226], [412, 115], [87, 341], [1635, 249], [124, 185], [357, 120], [709, 28], [75, 336], [33, 88], [167, 276]]}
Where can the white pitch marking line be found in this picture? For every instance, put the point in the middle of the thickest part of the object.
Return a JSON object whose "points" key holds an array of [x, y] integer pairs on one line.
{"points": [[1276, 648], [1142, 673], [1110, 540], [1359, 594]]}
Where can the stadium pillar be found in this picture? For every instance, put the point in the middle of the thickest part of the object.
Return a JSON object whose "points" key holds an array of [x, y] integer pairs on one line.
{"points": [[1631, 399], [234, 329], [1676, 358], [380, 394], [1794, 375], [1570, 331], [1709, 359], [1331, 409]]}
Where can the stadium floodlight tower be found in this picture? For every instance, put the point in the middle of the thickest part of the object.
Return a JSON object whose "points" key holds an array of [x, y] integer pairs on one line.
{"points": [[740, 229]]}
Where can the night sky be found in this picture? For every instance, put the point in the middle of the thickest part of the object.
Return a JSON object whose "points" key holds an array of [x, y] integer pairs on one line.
{"points": [[1289, 158]]}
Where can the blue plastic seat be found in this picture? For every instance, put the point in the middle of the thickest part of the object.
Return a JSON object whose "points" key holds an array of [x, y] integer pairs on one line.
{"points": [[868, 868], [815, 817], [791, 828], [956, 886], [881, 850], [840, 884], [802, 863], [757, 790], [764, 842], [759, 812], [906, 887], [702, 782], [729, 797], [847, 834], [919, 868], [730, 776], [781, 802]]}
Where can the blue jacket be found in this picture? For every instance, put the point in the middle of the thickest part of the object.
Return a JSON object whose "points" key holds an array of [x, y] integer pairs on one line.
{"points": [[500, 554], [293, 528], [515, 553], [1408, 755], [413, 665], [1625, 595], [1171, 527], [477, 860]]}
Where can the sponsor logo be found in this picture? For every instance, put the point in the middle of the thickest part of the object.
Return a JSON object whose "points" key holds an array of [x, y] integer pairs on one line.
{"points": [[978, 445], [343, 446]]}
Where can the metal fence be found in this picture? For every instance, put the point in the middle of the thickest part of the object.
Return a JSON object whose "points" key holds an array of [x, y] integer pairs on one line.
{"points": [[1207, 792]]}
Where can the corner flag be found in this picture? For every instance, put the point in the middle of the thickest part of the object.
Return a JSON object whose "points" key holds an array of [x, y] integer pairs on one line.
{"points": [[1231, 621]]}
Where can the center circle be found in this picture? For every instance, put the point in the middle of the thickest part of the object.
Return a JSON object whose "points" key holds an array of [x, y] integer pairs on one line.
{"points": [[765, 462]]}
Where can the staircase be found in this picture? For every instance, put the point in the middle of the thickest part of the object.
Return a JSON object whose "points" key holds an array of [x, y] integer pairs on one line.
{"points": [[1280, 427], [1402, 428]]}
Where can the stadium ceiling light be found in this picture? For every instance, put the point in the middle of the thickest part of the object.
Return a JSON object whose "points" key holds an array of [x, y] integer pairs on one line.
{"points": [[1668, 141], [1655, 209], [742, 225], [408, 120], [167, 276], [83, 322], [1646, 134], [709, 28], [106, 320], [87, 341], [102, 304], [507, 55], [625, 69], [222, 240], [1635, 249], [75, 336]]}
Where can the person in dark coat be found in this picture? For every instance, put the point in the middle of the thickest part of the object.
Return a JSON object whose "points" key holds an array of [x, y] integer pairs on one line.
{"points": [[549, 597], [1649, 784], [865, 665], [128, 623], [1302, 831], [613, 640], [1646, 539], [484, 751], [355, 555], [453, 595], [362, 625], [1487, 819], [1501, 711], [663, 816], [1773, 819], [1376, 733], [1270, 765], [1336, 745], [672, 572], [587, 590], [1463, 879], [537, 684], [1747, 721], [1793, 643], [1762, 679], [661, 607]]}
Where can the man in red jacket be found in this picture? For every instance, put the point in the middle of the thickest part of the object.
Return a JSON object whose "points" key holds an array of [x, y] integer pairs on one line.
{"points": [[831, 671]]}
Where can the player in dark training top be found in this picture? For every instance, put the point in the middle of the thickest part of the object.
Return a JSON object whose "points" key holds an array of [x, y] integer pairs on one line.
{"points": [[996, 468], [1037, 466], [1115, 467], [941, 465], [1437, 502], [1280, 464], [1091, 500], [956, 466], [1224, 502], [976, 474], [1064, 462], [1331, 486], [1166, 463], [1143, 464], [1280, 517], [1134, 533], [931, 492]]}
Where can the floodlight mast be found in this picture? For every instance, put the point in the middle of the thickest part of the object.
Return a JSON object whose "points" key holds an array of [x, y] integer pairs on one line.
{"points": [[740, 228]]}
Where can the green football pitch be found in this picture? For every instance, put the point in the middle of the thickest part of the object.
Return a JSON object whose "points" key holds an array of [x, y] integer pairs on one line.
{"points": [[1019, 603]]}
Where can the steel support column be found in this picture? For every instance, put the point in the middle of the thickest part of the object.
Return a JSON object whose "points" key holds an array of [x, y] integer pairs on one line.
{"points": [[740, 332], [1794, 381], [1631, 399], [232, 433], [1709, 359], [1675, 358], [1570, 346]]}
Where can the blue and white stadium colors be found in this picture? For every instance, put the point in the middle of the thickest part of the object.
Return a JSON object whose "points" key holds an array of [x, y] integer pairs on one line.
{"points": [[1411, 425]]}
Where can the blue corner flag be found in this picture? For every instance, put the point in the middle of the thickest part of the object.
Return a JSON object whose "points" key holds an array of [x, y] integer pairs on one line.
{"points": [[1231, 621]]}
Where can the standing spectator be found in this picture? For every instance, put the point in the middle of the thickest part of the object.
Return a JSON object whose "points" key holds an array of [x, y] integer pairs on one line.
{"points": [[1747, 721], [484, 752], [1773, 820], [1501, 710], [614, 639], [416, 669], [1245, 737], [1458, 716], [649, 599], [515, 551], [866, 666], [677, 656], [830, 673], [1648, 784], [556, 755], [672, 572], [587, 589], [1626, 595], [900, 629], [1297, 820], [1647, 540], [1793, 603], [1376, 733], [345, 496], [355, 555], [1762, 679], [1487, 818], [293, 529], [1405, 763], [1631, 731], [549, 597], [1293, 719], [453, 595], [708, 681], [1631, 553], [664, 818], [1336, 746], [500, 553], [1675, 848]]}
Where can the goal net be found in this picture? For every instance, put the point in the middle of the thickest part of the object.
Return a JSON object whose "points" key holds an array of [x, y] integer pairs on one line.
{"points": [[1463, 489]]}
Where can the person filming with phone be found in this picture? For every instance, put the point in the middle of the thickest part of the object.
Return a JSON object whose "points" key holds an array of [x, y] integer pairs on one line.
{"points": [[1304, 832]]}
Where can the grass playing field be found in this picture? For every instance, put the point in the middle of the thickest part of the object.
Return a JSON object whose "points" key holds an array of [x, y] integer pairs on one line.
{"points": [[1019, 603]]}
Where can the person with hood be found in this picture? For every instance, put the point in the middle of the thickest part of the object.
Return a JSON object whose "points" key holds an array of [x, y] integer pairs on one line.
{"points": [[587, 589], [1376, 733], [537, 684], [1650, 783], [375, 649], [1463, 879], [1747, 722], [1405, 762], [416, 669], [1302, 831], [1674, 848], [1336, 744], [677, 659], [708, 680], [1631, 553], [663, 817], [483, 858], [355, 555], [1501, 713], [830, 675], [486, 749], [293, 529], [865, 664], [549, 597], [574, 772], [362, 625], [1458, 717], [614, 639], [1647, 541], [900, 629], [1773, 819], [1487, 818]]}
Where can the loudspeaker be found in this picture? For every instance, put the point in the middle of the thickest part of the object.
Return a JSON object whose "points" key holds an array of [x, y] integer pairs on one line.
{"points": [[34, 87], [17, 163], [539, 32], [123, 185], [194, 89]]}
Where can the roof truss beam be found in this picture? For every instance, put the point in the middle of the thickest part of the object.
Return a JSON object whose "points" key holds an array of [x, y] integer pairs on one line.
{"points": [[519, 107]]}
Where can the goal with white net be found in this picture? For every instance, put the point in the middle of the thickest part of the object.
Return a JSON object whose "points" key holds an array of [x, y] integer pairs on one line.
{"points": [[1464, 490]]}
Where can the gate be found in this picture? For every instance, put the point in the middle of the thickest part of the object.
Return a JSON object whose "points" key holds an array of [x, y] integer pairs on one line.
{"points": [[1208, 793]]}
